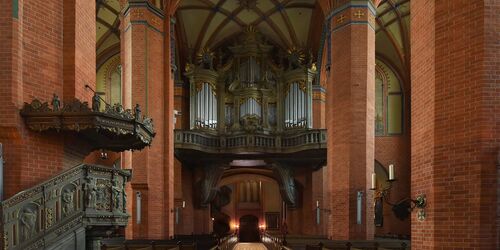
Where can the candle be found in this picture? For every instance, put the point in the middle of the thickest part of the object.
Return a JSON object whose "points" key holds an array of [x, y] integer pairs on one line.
{"points": [[183, 204], [374, 180], [317, 203], [391, 172]]}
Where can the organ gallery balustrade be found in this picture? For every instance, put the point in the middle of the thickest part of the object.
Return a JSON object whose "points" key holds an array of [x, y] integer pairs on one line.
{"points": [[284, 143]]}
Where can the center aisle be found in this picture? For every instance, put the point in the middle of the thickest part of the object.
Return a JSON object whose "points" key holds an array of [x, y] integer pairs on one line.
{"points": [[250, 246]]}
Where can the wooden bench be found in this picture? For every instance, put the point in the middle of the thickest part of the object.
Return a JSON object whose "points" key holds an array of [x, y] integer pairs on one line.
{"points": [[368, 245], [150, 246]]}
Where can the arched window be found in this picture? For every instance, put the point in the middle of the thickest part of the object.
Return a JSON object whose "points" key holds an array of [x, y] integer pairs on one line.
{"points": [[388, 101], [108, 81]]}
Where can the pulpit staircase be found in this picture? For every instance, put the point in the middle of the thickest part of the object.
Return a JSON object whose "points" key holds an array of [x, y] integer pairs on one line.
{"points": [[72, 210]]}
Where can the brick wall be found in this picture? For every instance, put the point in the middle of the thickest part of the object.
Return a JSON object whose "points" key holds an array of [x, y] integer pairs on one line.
{"points": [[455, 122], [31, 62]]}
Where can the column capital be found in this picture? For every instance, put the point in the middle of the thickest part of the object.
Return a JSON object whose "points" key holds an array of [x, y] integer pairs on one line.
{"points": [[352, 12], [343, 5], [142, 4], [142, 12]]}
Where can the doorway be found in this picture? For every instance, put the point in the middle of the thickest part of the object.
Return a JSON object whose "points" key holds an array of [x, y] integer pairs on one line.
{"points": [[249, 229]]}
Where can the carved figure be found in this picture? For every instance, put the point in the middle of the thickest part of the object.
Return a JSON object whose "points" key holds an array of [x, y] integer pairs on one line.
{"points": [[96, 103], [56, 103], [118, 108], [116, 194], [67, 199], [28, 221], [124, 199], [91, 192], [137, 112]]}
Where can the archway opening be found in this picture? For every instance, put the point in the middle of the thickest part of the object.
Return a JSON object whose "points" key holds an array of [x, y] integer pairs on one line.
{"points": [[249, 229]]}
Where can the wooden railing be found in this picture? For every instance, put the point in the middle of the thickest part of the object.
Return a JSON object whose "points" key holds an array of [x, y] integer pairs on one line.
{"points": [[279, 143], [274, 242], [83, 196], [226, 243]]}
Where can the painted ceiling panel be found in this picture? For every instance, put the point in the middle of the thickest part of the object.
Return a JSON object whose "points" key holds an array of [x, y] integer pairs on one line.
{"points": [[109, 42], [277, 19], [107, 24], [388, 17], [106, 15], [271, 35], [265, 6], [383, 7], [101, 30], [192, 2], [114, 4], [230, 29], [383, 46], [216, 21], [393, 27], [193, 25], [248, 16], [297, 17], [246, 12], [302, 1], [229, 5], [395, 32]]}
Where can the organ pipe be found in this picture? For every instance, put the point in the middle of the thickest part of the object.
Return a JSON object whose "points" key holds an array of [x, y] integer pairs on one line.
{"points": [[249, 81]]}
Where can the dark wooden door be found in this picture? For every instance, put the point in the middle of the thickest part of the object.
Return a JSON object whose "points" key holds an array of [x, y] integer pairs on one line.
{"points": [[249, 229]]}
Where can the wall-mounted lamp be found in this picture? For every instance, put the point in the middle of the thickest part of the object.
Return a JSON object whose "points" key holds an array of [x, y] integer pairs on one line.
{"points": [[104, 154], [403, 208], [177, 212], [318, 212]]}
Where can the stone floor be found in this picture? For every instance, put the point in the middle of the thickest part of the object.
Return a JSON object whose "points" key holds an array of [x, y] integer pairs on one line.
{"points": [[250, 246]]}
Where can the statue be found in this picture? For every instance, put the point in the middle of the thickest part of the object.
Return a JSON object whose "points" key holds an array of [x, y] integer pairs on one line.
{"points": [[56, 103], [67, 199], [96, 103], [91, 192], [137, 112], [28, 221], [124, 199], [116, 194]]}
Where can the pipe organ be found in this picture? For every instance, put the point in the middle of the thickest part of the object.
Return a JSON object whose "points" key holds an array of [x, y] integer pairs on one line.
{"points": [[253, 87]]}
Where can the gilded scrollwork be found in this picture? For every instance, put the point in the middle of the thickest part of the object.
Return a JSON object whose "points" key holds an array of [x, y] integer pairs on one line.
{"points": [[49, 217]]}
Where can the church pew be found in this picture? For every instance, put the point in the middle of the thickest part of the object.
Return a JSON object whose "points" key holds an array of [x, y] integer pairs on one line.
{"points": [[366, 245]]}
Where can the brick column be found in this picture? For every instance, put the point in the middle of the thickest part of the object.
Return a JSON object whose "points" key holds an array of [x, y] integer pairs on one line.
{"points": [[455, 98], [79, 49], [143, 56], [350, 118], [318, 106]]}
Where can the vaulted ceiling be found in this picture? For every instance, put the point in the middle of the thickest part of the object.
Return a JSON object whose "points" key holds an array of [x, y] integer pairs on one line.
{"points": [[108, 32], [393, 36], [286, 23], [209, 23]]}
